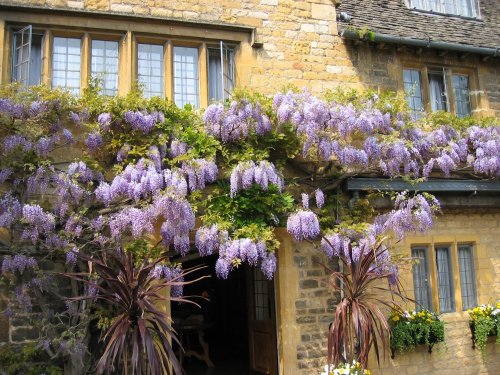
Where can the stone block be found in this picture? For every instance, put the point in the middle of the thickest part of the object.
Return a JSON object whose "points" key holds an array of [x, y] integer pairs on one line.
{"points": [[307, 27], [97, 4]]}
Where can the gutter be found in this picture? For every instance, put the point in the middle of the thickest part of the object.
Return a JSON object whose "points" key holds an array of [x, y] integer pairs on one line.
{"points": [[423, 43], [434, 185]]}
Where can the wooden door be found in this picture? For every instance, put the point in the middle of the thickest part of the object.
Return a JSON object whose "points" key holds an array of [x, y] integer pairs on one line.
{"points": [[262, 324]]}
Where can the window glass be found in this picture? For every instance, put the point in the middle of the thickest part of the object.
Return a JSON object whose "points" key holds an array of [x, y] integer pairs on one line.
{"points": [[66, 64], [220, 72], [27, 57], [104, 61], [215, 92], [437, 92], [413, 91], [461, 92], [150, 69], [467, 276], [186, 85], [444, 279], [466, 8], [262, 309], [421, 279]]}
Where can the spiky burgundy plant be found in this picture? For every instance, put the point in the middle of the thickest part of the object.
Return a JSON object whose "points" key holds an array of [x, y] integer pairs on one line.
{"points": [[139, 340], [360, 323]]}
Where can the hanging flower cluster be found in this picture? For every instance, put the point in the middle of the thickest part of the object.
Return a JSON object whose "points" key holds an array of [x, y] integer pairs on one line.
{"points": [[199, 172], [237, 122], [18, 263], [303, 225], [178, 148], [236, 251], [208, 239], [382, 143], [38, 222], [143, 121], [245, 174]]}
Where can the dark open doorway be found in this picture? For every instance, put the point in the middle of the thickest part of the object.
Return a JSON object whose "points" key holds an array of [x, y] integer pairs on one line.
{"points": [[222, 322]]}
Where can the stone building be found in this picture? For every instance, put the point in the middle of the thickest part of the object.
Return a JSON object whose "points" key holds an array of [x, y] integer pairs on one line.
{"points": [[442, 54]]}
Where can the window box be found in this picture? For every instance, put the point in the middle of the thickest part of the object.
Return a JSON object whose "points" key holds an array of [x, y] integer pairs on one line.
{"points": [[412, 328], [484, 322]]}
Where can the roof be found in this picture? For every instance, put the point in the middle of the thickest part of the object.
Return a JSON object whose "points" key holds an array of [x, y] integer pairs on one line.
{"points": [[393, 17]]}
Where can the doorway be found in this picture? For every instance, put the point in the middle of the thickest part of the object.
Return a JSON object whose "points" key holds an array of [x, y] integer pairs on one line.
{"points": [[234, 332]]}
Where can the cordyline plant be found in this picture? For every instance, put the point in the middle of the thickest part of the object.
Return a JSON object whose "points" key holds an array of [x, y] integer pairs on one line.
{"points": [[360, 321], [139, 339]]}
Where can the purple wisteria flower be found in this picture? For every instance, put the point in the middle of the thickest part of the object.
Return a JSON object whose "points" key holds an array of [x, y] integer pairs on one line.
{"points": [[81, 171], [74, 117], [13, 142], [207, 240], [305, 201], [303, 225], [38, 222], [154, 156], [177, 148], [94, 142], [172, 274], [123, 153], [72, 256], [10, 210], [19, 263], [199, 172], [37, 107], [234, 252], [4, 174], [135, 182], [143, 122], [269, 265], [237, 122], [9, 108], [319, 197], [245, 174], [104, 120], [68, 136], [44, 145]]}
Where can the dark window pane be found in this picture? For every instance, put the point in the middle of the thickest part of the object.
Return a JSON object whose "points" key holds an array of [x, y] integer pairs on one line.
{"points": [[444, 280]]}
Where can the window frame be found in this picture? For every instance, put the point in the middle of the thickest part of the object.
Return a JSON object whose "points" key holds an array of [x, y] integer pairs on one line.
{"points": [[426, 265], [201, 53], [128, 39], [453, 246], [226, 79], [163, 63], [448, 72], [411, 4], [53, 37], [450, 278], [106, 40], [44, 41], [472, 250]]}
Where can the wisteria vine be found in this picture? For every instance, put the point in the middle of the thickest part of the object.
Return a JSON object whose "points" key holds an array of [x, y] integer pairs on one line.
{"points": [[132, 174]]}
